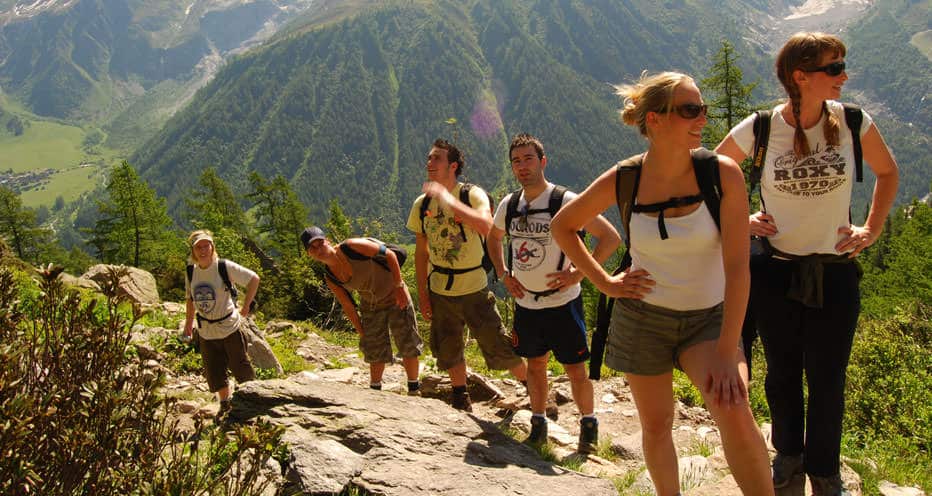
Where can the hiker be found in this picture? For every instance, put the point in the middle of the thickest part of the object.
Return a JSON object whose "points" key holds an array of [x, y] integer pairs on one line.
{"points": [[451, 280], [806, 294], [548, 297], [681, 302], [368, 267], [210, 297]]}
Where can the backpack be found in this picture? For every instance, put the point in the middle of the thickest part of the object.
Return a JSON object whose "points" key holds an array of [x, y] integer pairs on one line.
{"points": [[486, 265], [400, 253], [627, 178], [225, 277], [553, 205]]}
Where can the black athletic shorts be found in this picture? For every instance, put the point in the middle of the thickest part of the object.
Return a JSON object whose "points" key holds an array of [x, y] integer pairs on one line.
{"points": [[559, 329]]}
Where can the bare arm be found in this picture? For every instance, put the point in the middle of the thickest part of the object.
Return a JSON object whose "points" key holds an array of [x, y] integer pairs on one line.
{"points": [[251, 289], [882, 163], [578, 213], [496, 253], [479, 219], [421, 266], [607, 236], [346, 304], [189, 313], [371, 249], [735, 254]]}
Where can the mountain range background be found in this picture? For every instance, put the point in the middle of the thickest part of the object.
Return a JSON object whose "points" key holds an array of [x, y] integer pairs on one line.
{"points": [[343, 97]]}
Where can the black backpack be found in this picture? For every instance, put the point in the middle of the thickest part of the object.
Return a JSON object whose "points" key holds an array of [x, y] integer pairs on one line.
{"points": [[225, 277], [400, 253], [486, 265], [627, 179]]}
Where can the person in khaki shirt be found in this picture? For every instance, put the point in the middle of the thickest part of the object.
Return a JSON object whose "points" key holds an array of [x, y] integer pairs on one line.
{"points": [[367, 266], [452, 285]]}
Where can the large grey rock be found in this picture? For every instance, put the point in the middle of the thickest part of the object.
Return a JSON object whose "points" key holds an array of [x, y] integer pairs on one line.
{"points": [[407, 445], [318, 465], [258, 348], [890, 489], [137, 284], [79, 282]]}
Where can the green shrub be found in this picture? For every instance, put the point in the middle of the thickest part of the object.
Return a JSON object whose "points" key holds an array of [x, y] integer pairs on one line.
{"points": [[81, 417]]}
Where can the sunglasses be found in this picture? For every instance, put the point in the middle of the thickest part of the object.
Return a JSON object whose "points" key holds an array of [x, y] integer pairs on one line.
{"points": [[690, 110], [833, 69]]}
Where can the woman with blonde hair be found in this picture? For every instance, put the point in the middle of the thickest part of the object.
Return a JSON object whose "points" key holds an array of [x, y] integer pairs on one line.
{"points": [[211, 299], [681, 302], [806, 296]]}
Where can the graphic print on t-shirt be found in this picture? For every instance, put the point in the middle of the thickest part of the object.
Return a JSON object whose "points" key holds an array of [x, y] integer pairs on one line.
{"points": [[205, 298], [816, 174], [446, 237], [529, 243]]}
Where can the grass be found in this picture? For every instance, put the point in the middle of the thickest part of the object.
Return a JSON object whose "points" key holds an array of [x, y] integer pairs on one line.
{"points": [[701, 447], [42, 145], [624, 483]]}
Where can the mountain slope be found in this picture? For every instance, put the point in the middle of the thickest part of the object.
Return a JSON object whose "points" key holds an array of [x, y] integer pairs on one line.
{"points": [[348, 109]]}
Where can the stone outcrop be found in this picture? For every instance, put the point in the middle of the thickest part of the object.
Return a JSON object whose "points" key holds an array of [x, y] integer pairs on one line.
{"points": [[137, 284], [342, 436]]}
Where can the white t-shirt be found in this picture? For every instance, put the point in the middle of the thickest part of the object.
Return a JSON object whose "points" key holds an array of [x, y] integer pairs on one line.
{"points": [[534, 252], [213, 301], [687, 267], [809, 198]]}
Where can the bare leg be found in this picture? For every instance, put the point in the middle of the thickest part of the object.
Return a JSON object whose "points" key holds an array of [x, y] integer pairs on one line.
{"points": [[537, 383], [581, 387], [375, 372], [458, 374], [519, 371], [653, 396], [412, 367], [744, 445]]}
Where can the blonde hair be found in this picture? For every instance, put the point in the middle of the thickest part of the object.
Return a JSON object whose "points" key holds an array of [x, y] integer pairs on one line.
{"points": [[191, 238], [651, 93], [804, 51]]}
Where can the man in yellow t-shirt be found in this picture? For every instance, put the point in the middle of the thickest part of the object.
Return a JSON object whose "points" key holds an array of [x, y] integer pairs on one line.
{"points": [[452, 285]]}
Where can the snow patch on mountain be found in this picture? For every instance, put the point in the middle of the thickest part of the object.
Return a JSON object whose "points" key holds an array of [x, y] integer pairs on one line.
{"points": [[819, 7], [29, 9]]}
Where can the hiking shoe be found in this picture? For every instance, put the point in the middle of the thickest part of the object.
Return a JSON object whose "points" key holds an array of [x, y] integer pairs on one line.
{"points": [[461, 402], [538, 434], [785, 468], [828, 486], [588, 435], [416, 392], [223, 413]]}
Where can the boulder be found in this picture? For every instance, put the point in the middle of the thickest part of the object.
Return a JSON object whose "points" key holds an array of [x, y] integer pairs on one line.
{"points": [[391, 444], [137, 284], [258, 348], [79, 282]]}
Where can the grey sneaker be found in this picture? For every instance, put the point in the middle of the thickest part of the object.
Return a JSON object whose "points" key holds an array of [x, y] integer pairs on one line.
{"points": [[785, 468], [828, 486], [588, 435], [461, 402], [538, 431]]}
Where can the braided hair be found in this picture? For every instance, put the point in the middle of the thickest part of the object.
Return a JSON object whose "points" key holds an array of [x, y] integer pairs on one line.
{"points": [[803, 52]]}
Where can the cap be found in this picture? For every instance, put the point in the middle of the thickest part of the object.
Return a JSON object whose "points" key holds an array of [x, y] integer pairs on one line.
{"points": [[201, 237], [310, 234]]}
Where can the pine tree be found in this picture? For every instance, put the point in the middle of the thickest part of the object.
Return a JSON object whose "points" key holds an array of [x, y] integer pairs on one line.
{"points": [[729, 99], [214, 206], [18, 226], [339, 226], [279, 214], [134, 224]]}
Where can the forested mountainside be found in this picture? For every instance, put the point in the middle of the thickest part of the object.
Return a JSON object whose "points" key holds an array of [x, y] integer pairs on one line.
{"points": [[347, 108]]}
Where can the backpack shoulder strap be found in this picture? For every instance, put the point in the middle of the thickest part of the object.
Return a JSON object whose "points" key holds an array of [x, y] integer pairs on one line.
{"points": [[422, 212], [759, 154], [705, 163], [464, 194], [556, 199], [330, 276], [351, 253], [511, 211], [853, 118], [627, 176], [190, 271], [225, 276]]}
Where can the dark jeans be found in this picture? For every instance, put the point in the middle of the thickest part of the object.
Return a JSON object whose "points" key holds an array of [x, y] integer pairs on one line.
{"points": [[815, 340]]}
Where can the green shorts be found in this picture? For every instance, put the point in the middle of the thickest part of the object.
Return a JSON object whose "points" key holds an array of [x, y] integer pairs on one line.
{"points": [[477, 310], [377, 325], [646, 339]]}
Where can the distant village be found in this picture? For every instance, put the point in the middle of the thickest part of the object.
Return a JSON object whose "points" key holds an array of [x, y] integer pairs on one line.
{"points": [[25, 181]]}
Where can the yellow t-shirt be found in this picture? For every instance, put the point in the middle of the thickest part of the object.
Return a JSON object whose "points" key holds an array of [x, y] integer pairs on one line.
{"points": [[446, 246]]}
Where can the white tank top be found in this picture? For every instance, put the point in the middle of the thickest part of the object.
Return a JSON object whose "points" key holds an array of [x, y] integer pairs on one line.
{"points": [[687, 266]]}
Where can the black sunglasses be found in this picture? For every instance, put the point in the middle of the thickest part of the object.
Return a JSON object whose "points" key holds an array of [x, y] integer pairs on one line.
{"points": [[690, 110], [833, 69]]}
